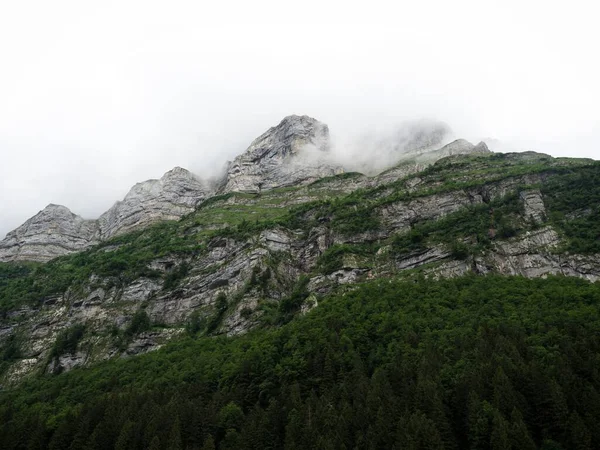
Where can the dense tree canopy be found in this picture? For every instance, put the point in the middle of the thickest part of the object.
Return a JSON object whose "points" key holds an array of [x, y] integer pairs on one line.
{"points": [[475, 362]]}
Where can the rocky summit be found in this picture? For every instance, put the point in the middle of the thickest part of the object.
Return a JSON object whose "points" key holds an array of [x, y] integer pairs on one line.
{"points": [[177, 193], [290, 153], [293, 153], [52, 232]]}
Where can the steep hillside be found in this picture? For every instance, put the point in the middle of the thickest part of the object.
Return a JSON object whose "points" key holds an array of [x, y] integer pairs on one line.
{"points": [[473, 362], [245, 260]]}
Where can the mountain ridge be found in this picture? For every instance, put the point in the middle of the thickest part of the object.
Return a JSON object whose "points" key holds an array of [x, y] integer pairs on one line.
{"points": [[293, 153], [242, 261]]}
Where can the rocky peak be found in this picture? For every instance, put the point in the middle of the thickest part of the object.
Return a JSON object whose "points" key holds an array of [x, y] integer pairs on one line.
{"points": [[175, 194], [421, 136], [481, 148], [177, 173], [55, 210], [290, 137], [289, 153], [52, 232], [457, 147]]}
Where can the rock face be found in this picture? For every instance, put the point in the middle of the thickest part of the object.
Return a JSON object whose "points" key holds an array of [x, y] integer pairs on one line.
{"points": [[52, 232], [56, 231], [291, 153], [457, 147], [174, 195], [533, 205]]}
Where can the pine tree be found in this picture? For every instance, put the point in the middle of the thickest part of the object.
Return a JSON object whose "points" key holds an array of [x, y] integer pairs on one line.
{"points": [[499, 439], [417, 432], [175, 436], [154, 444], [231, 440], [505, 397], [558, 410], [37, 440], [81, 435], [209, 443], [63, 435], [125, 439], [478, 426], [578, 436], [252, 431], [519, 435]]}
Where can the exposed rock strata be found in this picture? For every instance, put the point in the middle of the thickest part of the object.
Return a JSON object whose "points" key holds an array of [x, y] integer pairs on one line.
{"points": [[281, 256], [290, 153], [533, 205], [295, 152], [52, 232], [56, 231], [177, 193]]}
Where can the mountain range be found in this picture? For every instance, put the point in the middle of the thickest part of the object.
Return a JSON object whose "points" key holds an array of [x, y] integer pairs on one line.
{"points": [[284, 229]]}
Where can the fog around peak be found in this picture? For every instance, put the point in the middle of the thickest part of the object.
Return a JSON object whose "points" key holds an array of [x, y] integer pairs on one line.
{"points": [[374, 150], [98, 97]]}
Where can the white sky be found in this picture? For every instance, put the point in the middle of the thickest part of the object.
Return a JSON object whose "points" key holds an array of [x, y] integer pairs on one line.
{"points": [[95, 96]]}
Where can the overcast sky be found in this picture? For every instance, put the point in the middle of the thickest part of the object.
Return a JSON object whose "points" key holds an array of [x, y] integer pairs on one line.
{"points": [[95, 96]]}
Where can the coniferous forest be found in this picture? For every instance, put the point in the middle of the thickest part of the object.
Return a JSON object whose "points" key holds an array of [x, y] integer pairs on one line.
{"points": [[473, 362]]}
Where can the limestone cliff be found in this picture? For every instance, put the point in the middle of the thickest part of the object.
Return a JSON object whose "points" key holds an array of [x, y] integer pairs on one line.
{"points": [[52, 232], [290, 153], [56, 231], [177, 193]]}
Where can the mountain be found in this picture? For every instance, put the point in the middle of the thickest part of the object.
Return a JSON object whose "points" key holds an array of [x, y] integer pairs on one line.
{"points": [[455, 292], [176, 194], [467, 213], [52, 232], [291, 153]]}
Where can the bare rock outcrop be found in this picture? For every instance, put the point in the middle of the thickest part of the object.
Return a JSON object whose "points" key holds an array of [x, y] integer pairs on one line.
{"points": [[533, 205], [457, 147], [56, 231], [176, 194], [52, 232], [291, 153]]}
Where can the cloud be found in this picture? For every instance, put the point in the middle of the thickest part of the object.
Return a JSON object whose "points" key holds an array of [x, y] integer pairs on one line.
{"points": [[97, 98], [372, 151]]}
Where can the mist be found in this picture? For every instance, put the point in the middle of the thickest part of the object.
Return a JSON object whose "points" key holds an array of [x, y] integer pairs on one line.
{"points": [[98, 97]]}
